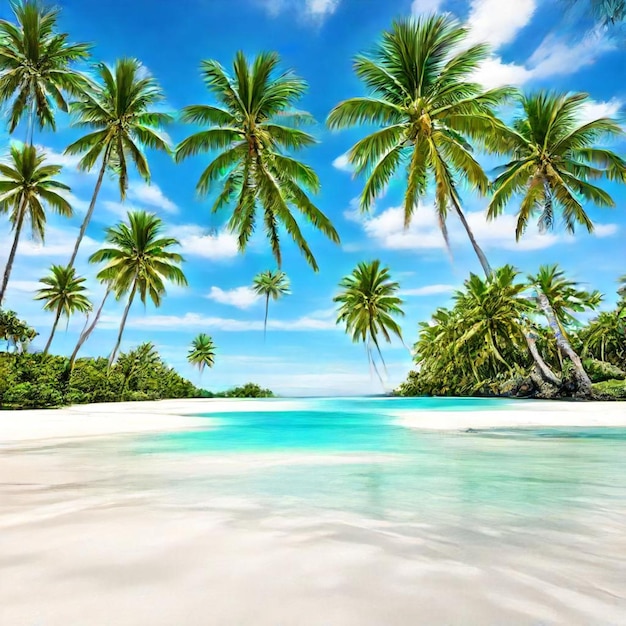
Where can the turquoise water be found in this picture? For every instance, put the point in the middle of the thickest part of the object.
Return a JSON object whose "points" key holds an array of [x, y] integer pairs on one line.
{"points": [[351, 455]]}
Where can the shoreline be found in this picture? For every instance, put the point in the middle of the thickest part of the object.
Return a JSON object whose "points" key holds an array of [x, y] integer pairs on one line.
{"points": [[125, 418]]}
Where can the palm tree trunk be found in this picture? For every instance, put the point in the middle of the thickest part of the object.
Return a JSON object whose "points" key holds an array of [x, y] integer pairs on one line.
{"points": [[30, 128], [123, 323], [582, 379], [11, 258], [477, 249], [85, 334], [544, 369], [90, 210], [54, 327], [267, 307]]}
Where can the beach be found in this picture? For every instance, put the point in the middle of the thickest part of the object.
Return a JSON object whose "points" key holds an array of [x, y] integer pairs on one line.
{"points": [[92, 534]]}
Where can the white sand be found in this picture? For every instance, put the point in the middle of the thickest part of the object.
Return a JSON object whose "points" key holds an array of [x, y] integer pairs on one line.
{"points": [[91, 536]]}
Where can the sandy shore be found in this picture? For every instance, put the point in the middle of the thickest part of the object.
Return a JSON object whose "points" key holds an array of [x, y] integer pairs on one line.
{"points": [[93, 533], [172, 415]]}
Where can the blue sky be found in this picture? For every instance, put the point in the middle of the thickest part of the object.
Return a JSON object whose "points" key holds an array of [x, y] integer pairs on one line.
{"points": [[536, 44]]}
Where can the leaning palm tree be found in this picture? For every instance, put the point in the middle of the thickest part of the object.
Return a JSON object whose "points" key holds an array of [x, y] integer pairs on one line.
{"points": [[554, 156], [27, 186], [368, 305], [202, 352], [621, 290], [270, 284], [64, 294], [36, 66], [422, 98], [253, 129], [138, 260], [120, 112]]}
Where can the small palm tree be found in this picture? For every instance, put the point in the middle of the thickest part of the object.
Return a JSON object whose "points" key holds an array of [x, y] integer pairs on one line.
{"points": [[36, 66], [202, 352], [64, 294], [270, 284], [252, 129], [138, 260], [15, 331], [27, 186], [120, 112], [368, 305], [136, 362], [427, 110], [554, 158], [621, 290]]}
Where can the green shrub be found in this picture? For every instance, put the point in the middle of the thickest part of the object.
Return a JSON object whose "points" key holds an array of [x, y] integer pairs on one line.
{"points": [[610, 390], [600, 371]]}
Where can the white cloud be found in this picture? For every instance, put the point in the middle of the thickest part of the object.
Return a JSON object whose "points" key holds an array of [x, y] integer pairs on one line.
{"points": [[593, 110], [386, 230], [173, 323], [196, 242], [426, 6], [240, 297], [59, 243], [152, 196], [53, 157], [497, 22], [494, 72], [316, 10], [321, 8], [24, 286], [428, 290], [342, 163]]}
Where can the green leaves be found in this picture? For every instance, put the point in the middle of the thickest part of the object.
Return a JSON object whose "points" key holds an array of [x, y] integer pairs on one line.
{"points": [[202, 352], [252, 131]]}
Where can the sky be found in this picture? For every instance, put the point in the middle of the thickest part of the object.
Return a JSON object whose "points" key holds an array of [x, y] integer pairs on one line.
{"points": [[536, 44]]}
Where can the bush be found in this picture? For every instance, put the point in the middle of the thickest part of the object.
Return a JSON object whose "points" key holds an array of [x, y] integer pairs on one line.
{"points": [[600, 371], [610, 390]]}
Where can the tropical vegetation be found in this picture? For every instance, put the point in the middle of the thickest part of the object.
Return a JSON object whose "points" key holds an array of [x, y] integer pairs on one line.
{"points": [[426, 125]]}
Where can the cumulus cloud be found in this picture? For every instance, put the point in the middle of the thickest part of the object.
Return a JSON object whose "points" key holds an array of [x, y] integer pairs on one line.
{"points": [[313, 10], [152, 196], [426, 6], [59, 243], [342, 163], [496, 22], [593, 110], [195, 241], [386, 230], [240, 297]]}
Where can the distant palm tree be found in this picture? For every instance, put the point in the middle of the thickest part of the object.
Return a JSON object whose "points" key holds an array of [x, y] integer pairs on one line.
{"points": [[270, 284], [36, 65], [555, 155], [15, 331], [26, 187], [251, 131], [202, 352], [426, 107], [621, 290], [368, 304], [120, 112], [136, 362], [607, 12], [64, 295], [138, 261]]}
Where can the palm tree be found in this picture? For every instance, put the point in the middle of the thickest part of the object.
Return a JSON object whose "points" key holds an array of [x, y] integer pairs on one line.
{"points": [[607, 12], [64, 294], [202, 352], [137, 362], [253, 129], [139, 260], [36, 66], [26, 187], [554, 158], [368, 306], [557, 298], [605, 338], [428, 110], [120, 113], [270, 284], [15, 331], [621, 290]]}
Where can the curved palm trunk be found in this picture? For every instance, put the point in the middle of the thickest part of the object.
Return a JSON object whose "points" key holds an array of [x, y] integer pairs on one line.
{"points": [[267, 307], [477, 249], [54, 328], [542, 366], [85, 334], [582, 379], [123, 323], [90, 210], [11, 257]]}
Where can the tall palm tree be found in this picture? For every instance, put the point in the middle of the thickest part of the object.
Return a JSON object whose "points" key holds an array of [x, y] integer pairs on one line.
{"points": [[253, 129], [139, 259], [202, 352], [27, 186], [120, 113], [64, 294], [270, 284], [36, 66], [422, 97], [368, 304], [555, 156]]}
